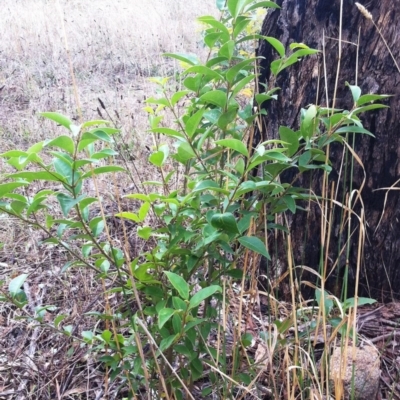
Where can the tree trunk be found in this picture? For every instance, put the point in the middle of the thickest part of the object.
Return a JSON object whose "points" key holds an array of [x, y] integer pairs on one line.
{"points": [[309, 21]]}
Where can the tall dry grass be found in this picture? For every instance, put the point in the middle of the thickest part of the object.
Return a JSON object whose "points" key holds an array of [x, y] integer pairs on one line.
{"points": [[114, 48]]}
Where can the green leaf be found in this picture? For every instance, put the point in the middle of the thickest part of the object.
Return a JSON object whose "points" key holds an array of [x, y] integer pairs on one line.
{"points": [[128, 215], [39, 175], [360, 302], [324, 301], [215, 24], [167, 342], [164, 315], [143, 211], [264, 4], [233, 71], [355, 91], [227, 50], [168, 132], [225, 222], [227, 117], [193, 122], [186, 58], [67, 202], [291, 138], [308, 122], [276, 44], [59, 118], [216, 97], [235, 7], [144, 232], [63, 142], [353, 129], [203, 294], [178, 96], [234, 144], [209, 185], [201, 69], [15, 285], [103, 170], [59, 319], [366, 98], [254, 244], [157, 158], [10, 187], [184, 153], [179, 284]]}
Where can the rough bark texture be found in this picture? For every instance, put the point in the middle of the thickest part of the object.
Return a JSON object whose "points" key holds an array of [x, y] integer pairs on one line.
{"points": [[308, 21]]}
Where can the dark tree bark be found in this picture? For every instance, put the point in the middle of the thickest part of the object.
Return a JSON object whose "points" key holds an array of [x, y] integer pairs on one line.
{"points": [[308, 21]]}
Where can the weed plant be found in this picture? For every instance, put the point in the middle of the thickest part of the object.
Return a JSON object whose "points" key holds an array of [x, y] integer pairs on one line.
{"points": [[184, 327]]}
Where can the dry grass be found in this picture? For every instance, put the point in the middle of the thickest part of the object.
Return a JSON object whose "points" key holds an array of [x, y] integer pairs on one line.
{"points": [[114, 48]]}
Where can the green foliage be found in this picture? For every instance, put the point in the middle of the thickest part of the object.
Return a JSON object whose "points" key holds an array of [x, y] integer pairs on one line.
{"points": [[204, 228]]}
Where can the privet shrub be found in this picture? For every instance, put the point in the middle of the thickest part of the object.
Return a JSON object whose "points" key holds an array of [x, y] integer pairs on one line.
{"points": [[201, 234]]}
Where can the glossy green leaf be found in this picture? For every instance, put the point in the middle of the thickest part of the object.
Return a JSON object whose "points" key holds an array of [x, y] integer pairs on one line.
{"points": [[264, 4], [164, 315], [276, 44], [179, 284], [355, 91], [216, 97], [227, 117], [178, 96], [253, 243], [291, 138], [63, 142], [233, 144], [67, 202], [168, 132], [144, 232], [201, 69], [234, 71], [193, 122], [227, 49], [184, 153], [367, 98], [10, 187], [203, 294], [214, 23], [58, 118], [191, 59], [16, 284], [225, 222], [103, 170], [128, 215]]}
